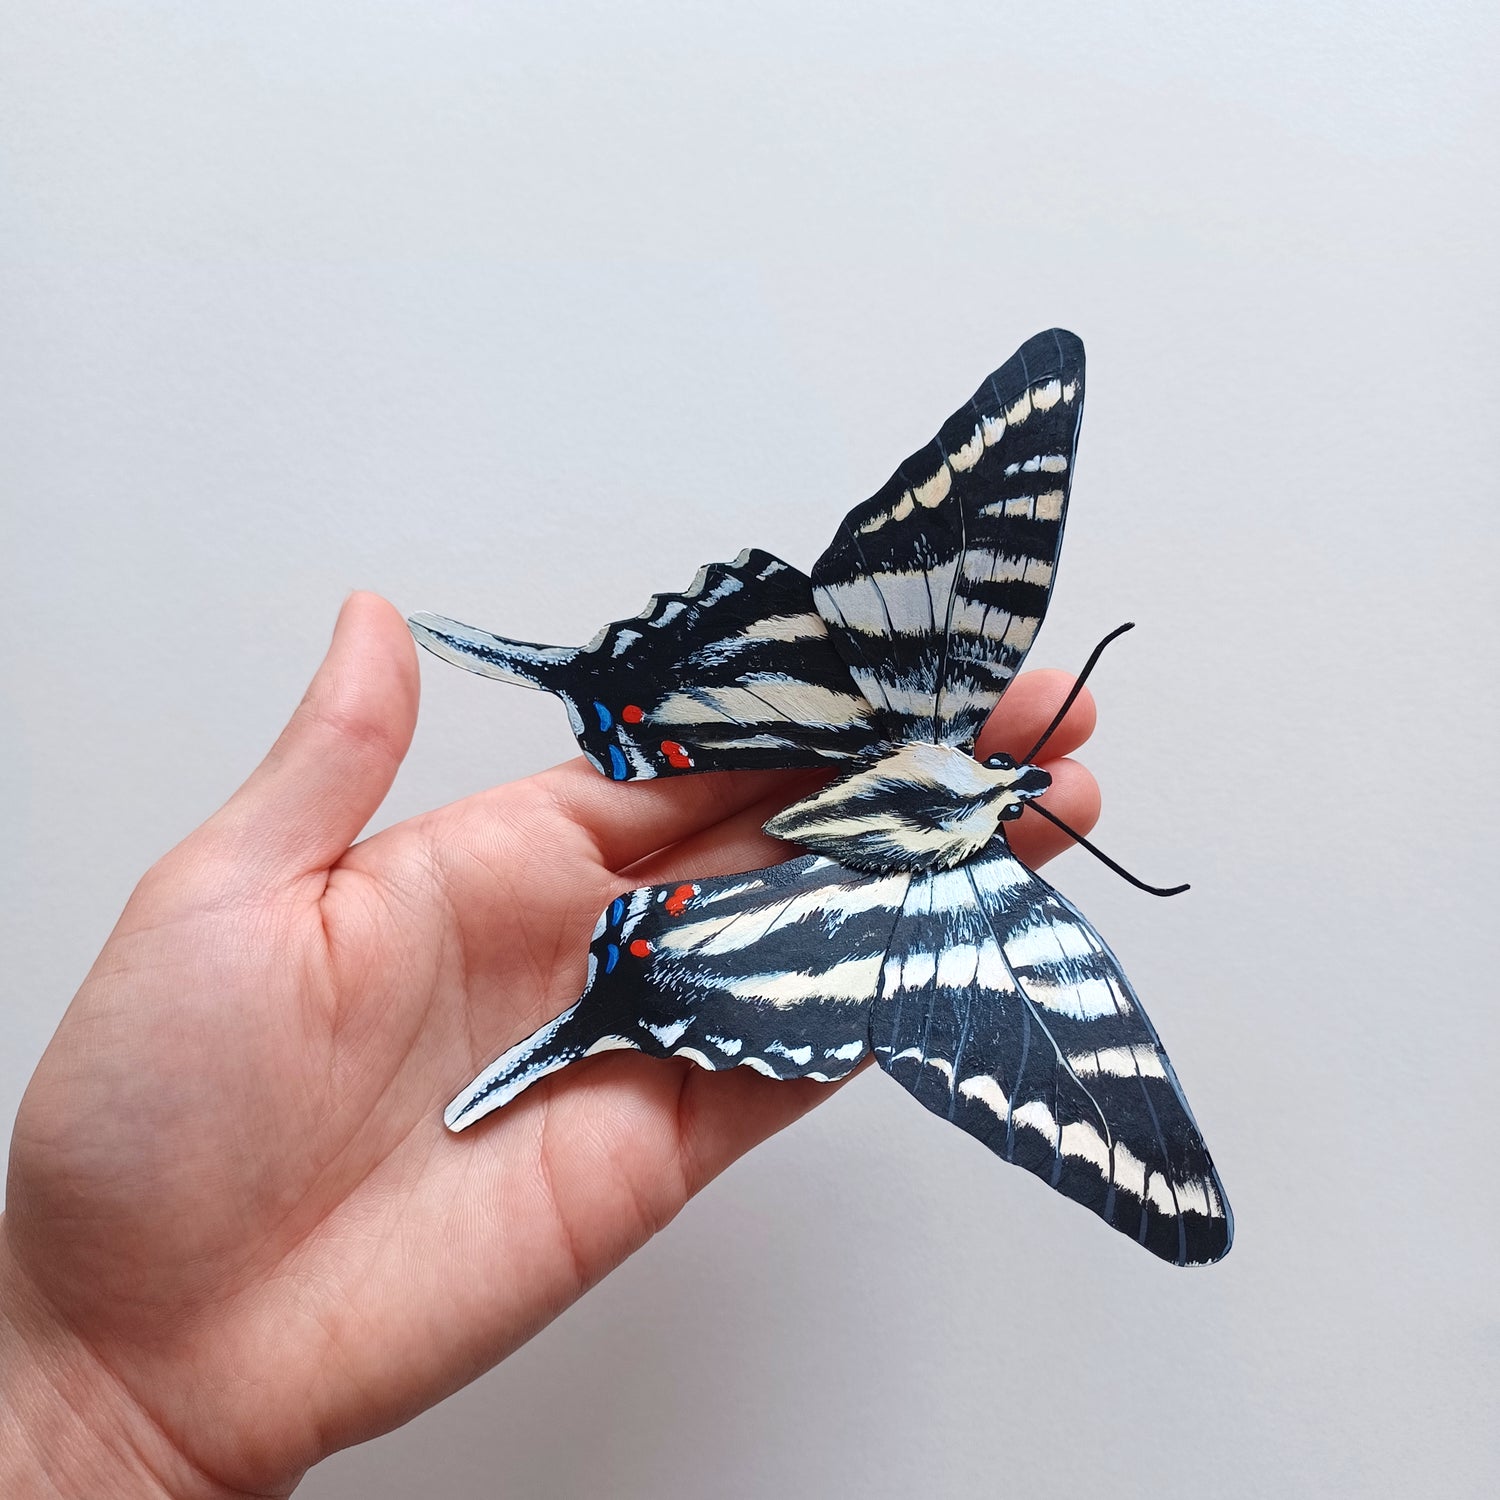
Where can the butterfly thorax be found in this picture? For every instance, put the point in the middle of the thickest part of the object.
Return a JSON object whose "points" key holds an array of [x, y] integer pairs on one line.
{"points": [[917, 806]]}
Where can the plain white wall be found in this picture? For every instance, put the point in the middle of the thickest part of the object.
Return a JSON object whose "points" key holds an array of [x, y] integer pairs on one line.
{"points": [[519, 311]]}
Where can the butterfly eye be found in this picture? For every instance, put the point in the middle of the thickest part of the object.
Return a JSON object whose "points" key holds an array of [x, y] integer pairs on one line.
{"points": [[1000, 763]]}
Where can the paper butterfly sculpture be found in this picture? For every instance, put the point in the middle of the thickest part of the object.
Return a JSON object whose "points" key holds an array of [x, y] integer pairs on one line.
{"points": [[909, 930]]}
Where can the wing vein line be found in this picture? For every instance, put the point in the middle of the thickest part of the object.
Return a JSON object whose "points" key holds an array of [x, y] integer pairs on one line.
{"points": [[958, 563]]}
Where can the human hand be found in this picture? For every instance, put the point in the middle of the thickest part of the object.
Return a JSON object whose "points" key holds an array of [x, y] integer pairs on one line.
{"points": [[237, 1235]]}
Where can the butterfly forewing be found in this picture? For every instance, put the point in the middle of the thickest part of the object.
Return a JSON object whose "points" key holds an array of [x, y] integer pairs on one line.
{"points": [[934, 589], [774, 970], [1002, 1010]]}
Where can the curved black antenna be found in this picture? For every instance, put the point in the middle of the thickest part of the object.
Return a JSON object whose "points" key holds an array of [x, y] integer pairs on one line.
{"points": [[1099, 854], [1030, 757]]}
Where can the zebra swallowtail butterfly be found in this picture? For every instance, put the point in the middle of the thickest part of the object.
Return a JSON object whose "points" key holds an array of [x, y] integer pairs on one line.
{"points": [[909, 930]]}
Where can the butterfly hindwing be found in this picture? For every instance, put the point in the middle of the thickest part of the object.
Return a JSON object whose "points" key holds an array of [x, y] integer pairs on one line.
{"points": [[735, 673], [1002, 1010], [775, 970], [934, 589]]}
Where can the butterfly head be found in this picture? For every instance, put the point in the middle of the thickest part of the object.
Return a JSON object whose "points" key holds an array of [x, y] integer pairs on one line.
{"points": [[1017, 785]]}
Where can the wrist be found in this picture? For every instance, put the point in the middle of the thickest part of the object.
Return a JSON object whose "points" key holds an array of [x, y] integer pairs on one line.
{"points": [[69, 1429]]}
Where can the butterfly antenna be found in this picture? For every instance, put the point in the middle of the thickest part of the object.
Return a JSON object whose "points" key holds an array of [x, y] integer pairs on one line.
{"points": [[1030, 757], [1099, 854]]}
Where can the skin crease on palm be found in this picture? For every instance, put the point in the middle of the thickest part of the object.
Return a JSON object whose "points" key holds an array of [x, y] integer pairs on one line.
{"points": [[237, 1235]]}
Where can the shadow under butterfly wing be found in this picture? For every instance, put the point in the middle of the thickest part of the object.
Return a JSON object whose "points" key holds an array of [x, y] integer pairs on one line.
{"points": [[774, 970], [1002, 1010], [735, 673], [934, 589]]}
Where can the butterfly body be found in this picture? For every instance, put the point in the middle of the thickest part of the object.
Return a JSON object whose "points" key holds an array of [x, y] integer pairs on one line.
{"points": [[920, 806], [909, 931]]}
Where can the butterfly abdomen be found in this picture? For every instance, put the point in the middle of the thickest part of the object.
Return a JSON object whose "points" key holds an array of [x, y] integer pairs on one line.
{"points": [[920, 806]]}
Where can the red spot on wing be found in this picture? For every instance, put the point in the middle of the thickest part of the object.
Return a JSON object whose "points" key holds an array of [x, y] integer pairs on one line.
{"points": [[640, 948], [676, 755], [678, 900], [631, 714]]}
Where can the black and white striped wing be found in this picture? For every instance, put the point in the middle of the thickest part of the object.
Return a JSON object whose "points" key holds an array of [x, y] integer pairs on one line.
{"points": [[934, 589], [775, 970], [1002, 1010], [736, 673]]}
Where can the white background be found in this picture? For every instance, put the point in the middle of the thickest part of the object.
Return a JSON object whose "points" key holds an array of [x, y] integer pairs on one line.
{"points": [[518, 312]]}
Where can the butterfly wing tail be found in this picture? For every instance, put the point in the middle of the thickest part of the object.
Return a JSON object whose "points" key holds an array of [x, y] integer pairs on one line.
{"points": [[554, 1046], [545, 667]]}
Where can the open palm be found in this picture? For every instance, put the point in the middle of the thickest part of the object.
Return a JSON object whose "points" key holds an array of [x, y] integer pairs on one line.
{"points": [[230, 1183]]}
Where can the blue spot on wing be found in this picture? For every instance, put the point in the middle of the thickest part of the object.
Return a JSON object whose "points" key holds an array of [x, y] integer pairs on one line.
{"points": [[616, 910], [618, 766], [611, 958], [605, 717]]}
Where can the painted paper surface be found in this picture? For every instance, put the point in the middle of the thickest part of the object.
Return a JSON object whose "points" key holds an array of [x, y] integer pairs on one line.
{"points": [[909, 930]]}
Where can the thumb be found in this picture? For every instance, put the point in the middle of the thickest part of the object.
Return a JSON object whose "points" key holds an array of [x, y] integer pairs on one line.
{"points": [[334, 762]]}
